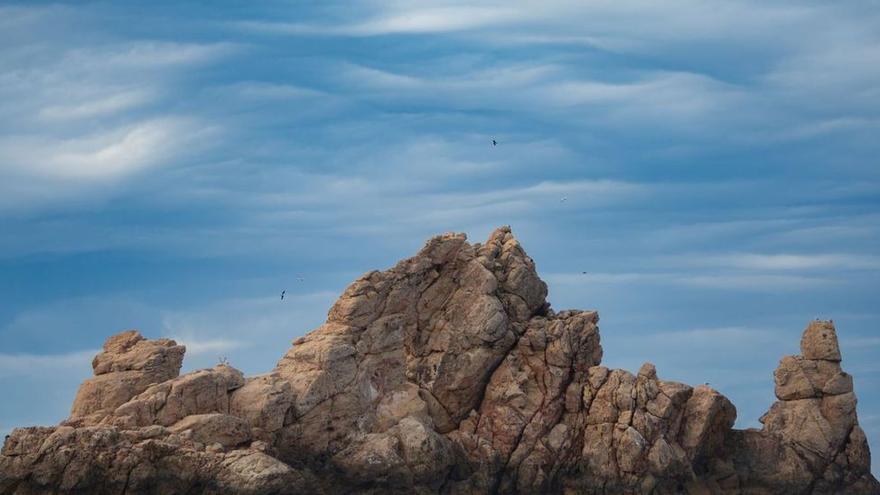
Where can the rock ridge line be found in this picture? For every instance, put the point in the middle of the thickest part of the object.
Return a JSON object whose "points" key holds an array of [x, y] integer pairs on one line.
{"points": [[448, 373]]}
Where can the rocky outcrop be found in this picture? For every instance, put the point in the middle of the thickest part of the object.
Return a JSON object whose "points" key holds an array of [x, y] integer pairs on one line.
{"points": [[448, 373], [126, 366], [812, 428]]}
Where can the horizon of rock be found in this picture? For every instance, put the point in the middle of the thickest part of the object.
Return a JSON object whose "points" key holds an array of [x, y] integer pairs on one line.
{"points": [[447, 373]]}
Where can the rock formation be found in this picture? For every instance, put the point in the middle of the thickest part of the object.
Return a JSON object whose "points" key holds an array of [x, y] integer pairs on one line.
{"points": [[448, 373]]}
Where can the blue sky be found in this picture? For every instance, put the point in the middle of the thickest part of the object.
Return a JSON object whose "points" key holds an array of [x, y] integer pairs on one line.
{"points": [[172, 168]]}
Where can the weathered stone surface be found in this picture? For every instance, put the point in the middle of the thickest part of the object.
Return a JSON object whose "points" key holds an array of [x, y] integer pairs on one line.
{"points": [[227, 430], [820, 341], [264, 401], [448, 373], [199, 392], [106, 460], [126, 366]]}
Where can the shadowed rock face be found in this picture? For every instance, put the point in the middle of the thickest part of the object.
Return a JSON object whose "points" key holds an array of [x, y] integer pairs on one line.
{"points": [[448, 373]]}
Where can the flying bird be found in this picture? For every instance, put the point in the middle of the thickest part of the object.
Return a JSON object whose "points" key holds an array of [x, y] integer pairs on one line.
{"points": [[494, 143], [564, 199], [282, 294]]}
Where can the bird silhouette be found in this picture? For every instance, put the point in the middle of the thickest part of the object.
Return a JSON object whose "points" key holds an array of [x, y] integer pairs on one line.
{"points": [[282, 294], [494, 143]]}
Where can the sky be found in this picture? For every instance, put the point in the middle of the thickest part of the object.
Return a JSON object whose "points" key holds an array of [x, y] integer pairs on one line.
{"points": [[172, 168]]}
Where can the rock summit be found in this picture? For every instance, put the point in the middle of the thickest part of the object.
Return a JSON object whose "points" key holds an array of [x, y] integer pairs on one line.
{"points": [[448, 373]]}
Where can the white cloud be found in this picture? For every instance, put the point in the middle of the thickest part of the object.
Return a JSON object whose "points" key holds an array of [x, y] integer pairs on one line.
{"points": [[819, 58], [196, 346], [104, 155], [252, 332], [756, 282], [28, 17], [812, 129], [87, 116], [757, 261], [644, 20], [722, 281], [721, 336], [662, 97], [459, 84], [419, 20], [595, 278], [141, 55], [105, 105], [259, 90], [42, 364], [439, 19], [670, 100]]}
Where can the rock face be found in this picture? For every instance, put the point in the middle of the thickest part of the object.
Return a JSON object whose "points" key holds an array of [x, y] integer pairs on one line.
{"points": [[448, 373], [127, 365]]}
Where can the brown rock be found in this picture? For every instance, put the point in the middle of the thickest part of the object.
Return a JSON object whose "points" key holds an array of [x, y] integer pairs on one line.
{"points": [[199, 392], [820, 341], [126, 366], [448, 373], [226, 430], [264, 401]]}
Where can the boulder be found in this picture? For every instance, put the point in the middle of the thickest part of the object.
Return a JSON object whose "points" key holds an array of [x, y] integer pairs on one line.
{"points": [[127, 365]]}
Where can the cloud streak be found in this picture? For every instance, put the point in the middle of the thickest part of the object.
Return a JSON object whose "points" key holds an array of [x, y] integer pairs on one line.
{"points": [[18, 365]]}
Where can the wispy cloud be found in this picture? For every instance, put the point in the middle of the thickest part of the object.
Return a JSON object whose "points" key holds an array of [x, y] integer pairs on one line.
{"points": [[33, 364], [830, 61], [195, 346], [252, 332], [681, 19], [749, 282], [140, 55], [260, 90], [417, 20], [757, 282], [777, 262], [105, 155], [91, 114], [103, 105]]}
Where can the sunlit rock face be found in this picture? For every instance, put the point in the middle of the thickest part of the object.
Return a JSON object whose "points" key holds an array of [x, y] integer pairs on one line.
{"points": [[448, 373]]}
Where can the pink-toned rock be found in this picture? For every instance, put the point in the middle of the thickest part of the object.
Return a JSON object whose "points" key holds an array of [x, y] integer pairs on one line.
{"points": [[126, 366], [200, 392], [265, 402], [228, 431], [820, 341], [448, 373]]}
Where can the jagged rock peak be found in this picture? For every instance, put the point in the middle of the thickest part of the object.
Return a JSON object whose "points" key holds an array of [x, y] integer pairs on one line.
{"points": [[447, 373]]}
